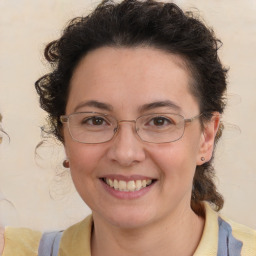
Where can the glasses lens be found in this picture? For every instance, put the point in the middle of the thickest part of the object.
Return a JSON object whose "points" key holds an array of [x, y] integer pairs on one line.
{"points": [[91, 127], [160, 128]]}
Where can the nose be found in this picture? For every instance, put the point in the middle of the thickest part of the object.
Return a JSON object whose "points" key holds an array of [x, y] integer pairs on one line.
{"points": [[126, 147]]}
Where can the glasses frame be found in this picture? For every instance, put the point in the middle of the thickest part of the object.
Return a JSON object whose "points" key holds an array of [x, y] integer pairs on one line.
{"points": [[65, 120]]}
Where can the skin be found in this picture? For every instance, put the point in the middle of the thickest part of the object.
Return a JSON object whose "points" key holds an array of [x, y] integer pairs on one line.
{"points": [[127, 79]]}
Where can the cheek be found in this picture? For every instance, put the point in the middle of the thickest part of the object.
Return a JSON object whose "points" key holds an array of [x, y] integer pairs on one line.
{"points": [[82, 157], [176, 171], [84, 165], [176, 161]]}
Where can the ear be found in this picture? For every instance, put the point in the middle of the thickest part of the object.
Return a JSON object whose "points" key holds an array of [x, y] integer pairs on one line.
{"points": [[207, 139]]}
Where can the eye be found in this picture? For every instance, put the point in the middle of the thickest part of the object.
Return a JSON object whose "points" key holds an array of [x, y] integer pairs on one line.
{"points": [[95, 121], [161, 121]]}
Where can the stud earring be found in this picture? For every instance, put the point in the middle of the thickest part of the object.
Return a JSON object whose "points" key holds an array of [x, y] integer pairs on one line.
{"points": [[202, 158], [65, 163]]}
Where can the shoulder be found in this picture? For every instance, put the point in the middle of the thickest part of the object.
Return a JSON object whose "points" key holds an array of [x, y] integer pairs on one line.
{"points": [[25, 242], [19, 241], [81, 228], [1, 240], [70, 243], [241, 230], [221, 233], [244, 234]]}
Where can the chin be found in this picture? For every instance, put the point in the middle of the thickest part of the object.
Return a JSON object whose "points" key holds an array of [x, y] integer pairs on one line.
{"points": [[128, 218], [128, 223]]}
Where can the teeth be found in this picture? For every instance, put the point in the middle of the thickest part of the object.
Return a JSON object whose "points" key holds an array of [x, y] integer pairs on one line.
{"points": [[138, 184], [148, 182], [116, 185], [129, 186], [110, 183], [122, 185]]}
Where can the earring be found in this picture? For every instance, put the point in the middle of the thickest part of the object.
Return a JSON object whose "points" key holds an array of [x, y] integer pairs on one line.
{"points": [[202, 158], [65, 163]]}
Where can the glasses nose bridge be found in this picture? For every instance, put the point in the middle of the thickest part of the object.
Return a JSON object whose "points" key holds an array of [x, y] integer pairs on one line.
{"points": [[124, 121]]}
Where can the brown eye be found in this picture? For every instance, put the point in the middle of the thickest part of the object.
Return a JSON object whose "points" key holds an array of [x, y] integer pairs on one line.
{"points": [[97, 121], [94, 121], [160, 121]]}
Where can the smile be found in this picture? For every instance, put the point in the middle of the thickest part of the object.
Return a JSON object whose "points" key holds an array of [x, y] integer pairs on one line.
{"points": [[127, 186]]}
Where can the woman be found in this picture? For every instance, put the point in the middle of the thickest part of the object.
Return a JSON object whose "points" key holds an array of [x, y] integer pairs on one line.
{"points": [[136, 95]]}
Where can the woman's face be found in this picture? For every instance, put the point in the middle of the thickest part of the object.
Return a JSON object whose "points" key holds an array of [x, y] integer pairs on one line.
{"points": [[130, 82]]}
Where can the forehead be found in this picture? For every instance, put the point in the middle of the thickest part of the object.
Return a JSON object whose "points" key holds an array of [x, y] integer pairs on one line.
{"points": [[119, 75]]}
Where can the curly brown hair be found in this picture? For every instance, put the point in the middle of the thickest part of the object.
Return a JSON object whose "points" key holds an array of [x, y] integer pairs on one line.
{"points": [[148, 23]]}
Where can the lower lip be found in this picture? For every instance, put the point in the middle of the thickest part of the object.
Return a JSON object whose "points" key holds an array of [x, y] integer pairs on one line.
{"points": [[127, 195]]}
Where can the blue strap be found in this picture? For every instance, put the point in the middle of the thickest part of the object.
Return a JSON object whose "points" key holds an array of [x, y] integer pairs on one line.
{"points": [[49, 243], [228, 245]]}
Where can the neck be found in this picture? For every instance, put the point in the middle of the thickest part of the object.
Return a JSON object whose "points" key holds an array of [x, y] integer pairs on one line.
{"points": [[178, 234]]}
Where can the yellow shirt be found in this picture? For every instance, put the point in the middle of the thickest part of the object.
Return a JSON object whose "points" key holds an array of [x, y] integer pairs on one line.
{"points": [[76, 239]]}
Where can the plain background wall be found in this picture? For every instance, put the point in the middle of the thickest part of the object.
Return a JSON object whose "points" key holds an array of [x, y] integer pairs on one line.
{"points": [[39, 190]]}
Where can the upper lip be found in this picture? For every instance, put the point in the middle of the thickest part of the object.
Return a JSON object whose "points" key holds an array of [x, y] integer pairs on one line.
{"points": [[126, 178]]}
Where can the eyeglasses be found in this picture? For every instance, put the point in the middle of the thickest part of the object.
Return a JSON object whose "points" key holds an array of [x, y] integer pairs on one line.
{"points": [[93, 127]]}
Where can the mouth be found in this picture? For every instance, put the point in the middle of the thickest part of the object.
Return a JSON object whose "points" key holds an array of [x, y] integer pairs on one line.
{"points": [[128, 186]]}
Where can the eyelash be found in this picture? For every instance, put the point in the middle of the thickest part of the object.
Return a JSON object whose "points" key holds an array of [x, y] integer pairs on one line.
{"points": [[162, 118], [92, 119]]}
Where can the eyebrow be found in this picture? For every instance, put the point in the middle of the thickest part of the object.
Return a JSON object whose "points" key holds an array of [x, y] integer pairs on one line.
{"points": [[159, 104], [143, 108], [95, 104]]}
